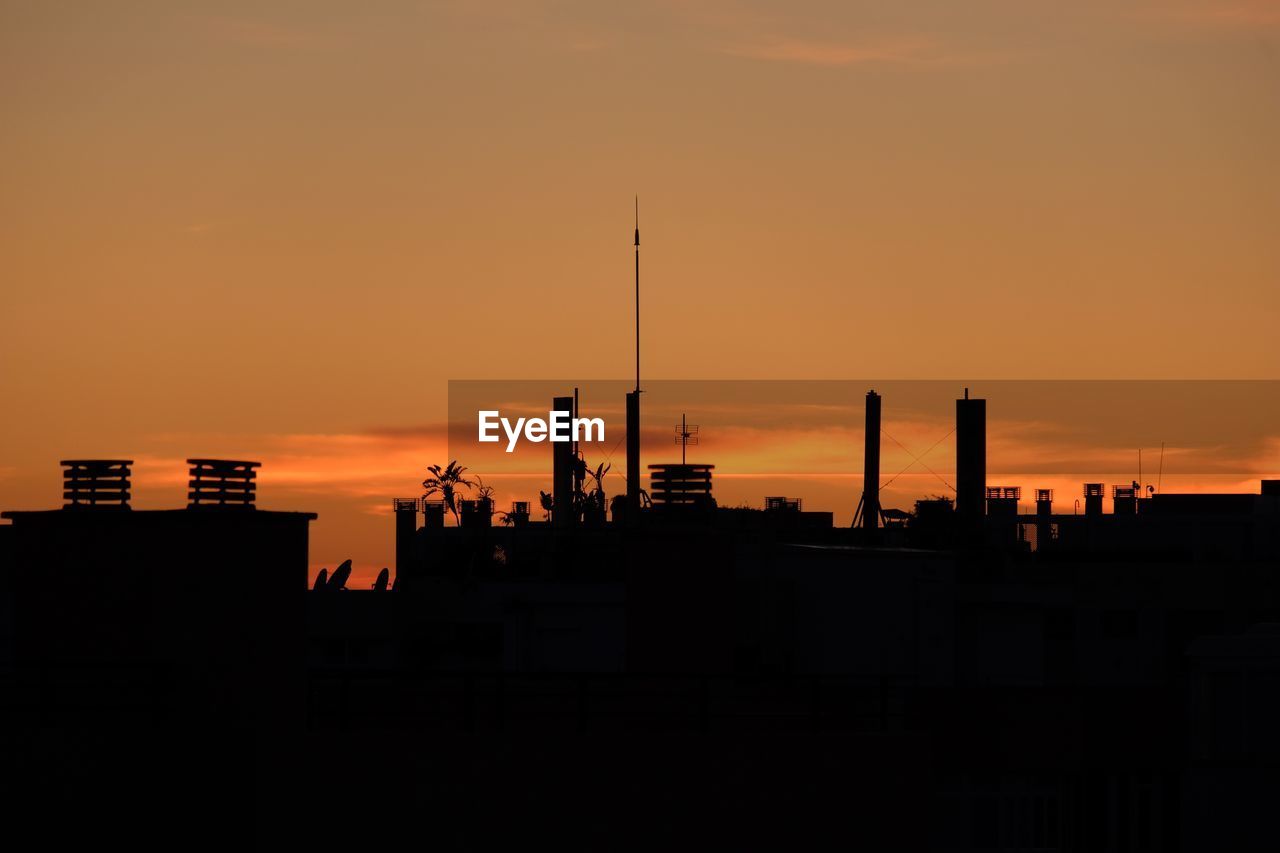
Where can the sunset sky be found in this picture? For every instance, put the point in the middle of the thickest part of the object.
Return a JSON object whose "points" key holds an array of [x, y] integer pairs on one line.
{"points": [[276, 230]]}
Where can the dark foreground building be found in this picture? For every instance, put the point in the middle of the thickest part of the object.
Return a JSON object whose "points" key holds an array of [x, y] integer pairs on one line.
{"points": [[685, 677], [149, 662]]}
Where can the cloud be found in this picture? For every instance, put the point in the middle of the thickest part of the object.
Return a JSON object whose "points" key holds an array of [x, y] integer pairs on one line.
{"points": [[376, 462]]}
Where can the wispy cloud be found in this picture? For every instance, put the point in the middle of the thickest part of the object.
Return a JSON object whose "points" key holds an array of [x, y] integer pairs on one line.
{"points": [[380, 461]]}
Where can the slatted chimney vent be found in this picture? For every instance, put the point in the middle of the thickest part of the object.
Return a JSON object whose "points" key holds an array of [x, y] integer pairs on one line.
{"points": [[221, 484], [96, 483]]}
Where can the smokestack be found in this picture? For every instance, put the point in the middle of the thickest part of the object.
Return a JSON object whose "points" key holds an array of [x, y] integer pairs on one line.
{"points": [[562, 472], [871, 465], [633, 453], [971, 460]]}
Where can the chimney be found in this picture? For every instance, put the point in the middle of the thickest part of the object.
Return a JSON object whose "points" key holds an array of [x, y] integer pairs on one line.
{"points": [[562, 471], [433, 514], [1002, 501], [1124, 499], [871, 465], [1093, 493], [971, 460], [1002, 514], [406, 534], [221, 484], [1044, 517], [1044, 502], [96, 483]]}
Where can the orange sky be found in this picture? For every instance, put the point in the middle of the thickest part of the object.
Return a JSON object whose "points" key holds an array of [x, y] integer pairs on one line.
{"points": [[276, 230]]}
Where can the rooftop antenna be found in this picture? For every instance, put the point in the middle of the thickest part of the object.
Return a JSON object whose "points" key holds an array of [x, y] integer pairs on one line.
{"points": [[1160, 471], [637, 294], [686, 434], [634, 491]]}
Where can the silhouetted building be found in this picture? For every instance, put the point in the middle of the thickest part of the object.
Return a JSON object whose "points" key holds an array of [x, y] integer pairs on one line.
{"points": [[1038, 680], [155, 662]]}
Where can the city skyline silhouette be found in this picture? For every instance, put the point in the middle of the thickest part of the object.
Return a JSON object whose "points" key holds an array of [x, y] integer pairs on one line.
{"points": [[938, 501]]}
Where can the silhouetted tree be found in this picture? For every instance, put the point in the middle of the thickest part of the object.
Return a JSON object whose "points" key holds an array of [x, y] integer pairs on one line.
{"points": [[591, 503], [446, 482]]}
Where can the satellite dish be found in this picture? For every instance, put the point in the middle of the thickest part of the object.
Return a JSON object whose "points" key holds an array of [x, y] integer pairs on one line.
{"points": [[384, 578], [340, 576], [321, 579]]}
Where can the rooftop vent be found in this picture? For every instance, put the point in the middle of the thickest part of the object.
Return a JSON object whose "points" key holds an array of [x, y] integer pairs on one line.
{"points": [[221, 484], [995, 493], [1125, 499], [672, 485], [96, 483]]}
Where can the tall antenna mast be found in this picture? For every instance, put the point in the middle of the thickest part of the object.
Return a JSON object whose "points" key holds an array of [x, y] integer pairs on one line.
{"points": [[637, 294], [633, 405]]}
